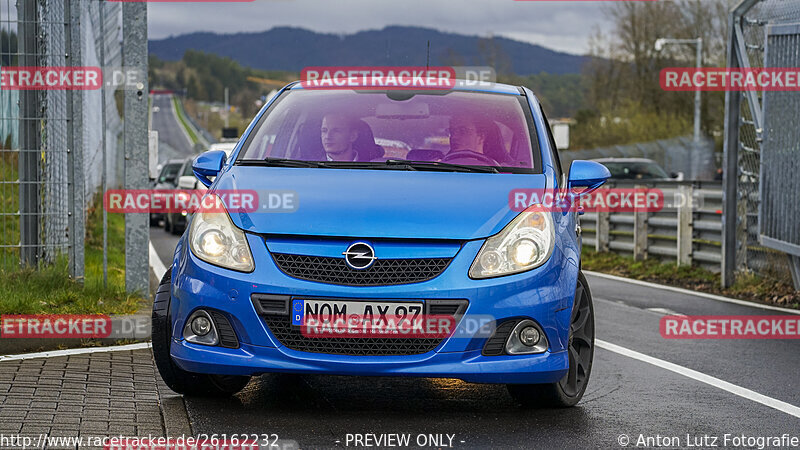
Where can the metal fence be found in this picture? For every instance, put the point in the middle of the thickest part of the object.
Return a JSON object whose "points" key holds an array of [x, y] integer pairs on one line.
{"points": [[761, 147], [58, 147], [687, 230], [674, 155]]}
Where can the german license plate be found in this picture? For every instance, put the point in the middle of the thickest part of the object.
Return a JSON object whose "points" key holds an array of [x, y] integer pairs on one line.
{"points": [[323, 310]]}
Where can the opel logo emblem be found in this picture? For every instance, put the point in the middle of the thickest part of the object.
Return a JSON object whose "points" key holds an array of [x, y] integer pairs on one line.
{"points": [[359, 256]]}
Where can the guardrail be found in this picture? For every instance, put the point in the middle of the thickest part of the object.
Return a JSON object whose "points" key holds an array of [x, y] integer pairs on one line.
{"points": [[687, 230]]}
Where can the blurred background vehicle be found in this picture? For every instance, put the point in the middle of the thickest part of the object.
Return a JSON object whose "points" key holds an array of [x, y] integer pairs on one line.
{"points": [[637, 169], [226, 147], [166, 180], [175, 221]]}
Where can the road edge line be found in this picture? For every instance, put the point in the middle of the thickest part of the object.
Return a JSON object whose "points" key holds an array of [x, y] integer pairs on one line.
{"points": [[155, 262], [75, 351], [703, 378], [665, 287]]}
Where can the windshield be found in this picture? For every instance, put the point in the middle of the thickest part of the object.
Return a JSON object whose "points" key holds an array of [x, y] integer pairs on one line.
{"points": [[635, 171], [169, 172], [468, 128]]}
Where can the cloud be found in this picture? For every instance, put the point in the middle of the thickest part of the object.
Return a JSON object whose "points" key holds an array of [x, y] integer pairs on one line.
{"points": [[560, 25]]}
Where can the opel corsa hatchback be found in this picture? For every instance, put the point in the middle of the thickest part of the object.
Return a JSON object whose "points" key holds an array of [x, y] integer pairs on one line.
{"points": [[414, 246]]}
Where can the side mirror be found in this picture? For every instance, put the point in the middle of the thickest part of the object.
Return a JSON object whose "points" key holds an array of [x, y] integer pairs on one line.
{"points": [[207, 165], [586, 174]]}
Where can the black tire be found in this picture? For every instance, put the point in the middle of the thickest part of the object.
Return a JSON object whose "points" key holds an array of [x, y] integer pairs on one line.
{"points": [[167, 226], [177, 379], [569, 390], [176, 230]]}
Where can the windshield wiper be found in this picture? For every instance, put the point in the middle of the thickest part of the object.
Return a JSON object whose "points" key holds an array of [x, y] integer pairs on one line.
{"points": [[280, 162], [441, 166], [389, 164]]}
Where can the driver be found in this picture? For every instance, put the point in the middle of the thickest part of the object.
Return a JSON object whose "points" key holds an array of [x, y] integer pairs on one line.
{"points": [[466, 134], [338, 134]]}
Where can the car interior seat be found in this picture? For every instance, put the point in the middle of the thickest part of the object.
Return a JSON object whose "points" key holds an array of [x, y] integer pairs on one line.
{"points": [[365, 145]]}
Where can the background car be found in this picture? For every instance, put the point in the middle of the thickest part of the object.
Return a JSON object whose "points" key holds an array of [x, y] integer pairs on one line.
{"points": [[175, 221], [226, 147], [166, 180], [637, 169]]}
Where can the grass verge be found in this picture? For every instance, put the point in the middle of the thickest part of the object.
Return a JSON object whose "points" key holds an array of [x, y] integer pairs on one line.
{"points": [[747, 287], [176, 105], [49, 290]]}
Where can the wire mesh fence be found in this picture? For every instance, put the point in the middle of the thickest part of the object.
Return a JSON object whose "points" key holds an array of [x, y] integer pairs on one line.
{"points": [[57, 145], [745, 125]]}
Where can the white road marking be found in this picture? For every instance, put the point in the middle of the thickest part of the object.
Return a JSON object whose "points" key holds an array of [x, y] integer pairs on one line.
{"points": [[156, 264], [660, 312], [703, 378], [76, 351], [665, 312], [718, 298]]}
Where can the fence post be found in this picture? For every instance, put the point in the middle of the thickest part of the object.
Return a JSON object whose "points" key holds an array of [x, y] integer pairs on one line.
{"points": [[730, 171], [29, 139], [640, 231], [602, 233], [75, 191], [137, 238], [685, 222]]}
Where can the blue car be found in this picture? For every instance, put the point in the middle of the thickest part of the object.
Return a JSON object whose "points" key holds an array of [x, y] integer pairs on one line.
{"points": [[349, 242]]}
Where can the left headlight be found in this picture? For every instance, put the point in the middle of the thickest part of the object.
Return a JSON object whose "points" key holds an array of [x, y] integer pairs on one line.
{"points": [[216, 240], [524, 244]]}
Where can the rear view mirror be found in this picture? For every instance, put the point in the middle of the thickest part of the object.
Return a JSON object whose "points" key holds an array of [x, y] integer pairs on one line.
{"points": [[402, 111]]}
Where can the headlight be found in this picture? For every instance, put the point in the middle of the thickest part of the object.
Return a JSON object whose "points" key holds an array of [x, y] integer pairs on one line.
{"points": [[523, 244], [216, 240]]}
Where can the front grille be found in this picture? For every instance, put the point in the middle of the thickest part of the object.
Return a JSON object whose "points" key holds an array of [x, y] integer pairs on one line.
{"points": [[383, 272], [292, 337]]}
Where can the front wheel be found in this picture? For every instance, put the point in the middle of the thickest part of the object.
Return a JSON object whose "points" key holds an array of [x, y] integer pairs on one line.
{"points": [[569, 390], [177, 379]]}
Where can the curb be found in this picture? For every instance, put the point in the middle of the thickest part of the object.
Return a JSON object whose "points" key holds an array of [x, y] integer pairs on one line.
{"points": [[132, 327]]}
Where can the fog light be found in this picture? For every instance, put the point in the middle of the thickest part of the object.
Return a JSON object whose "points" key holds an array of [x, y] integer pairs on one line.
{"points": [[529, 336], [201, 326], [199, 329], [526, 338]]}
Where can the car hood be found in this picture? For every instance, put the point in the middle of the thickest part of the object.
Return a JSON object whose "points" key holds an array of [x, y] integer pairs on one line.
{"points": [[379, 203]]}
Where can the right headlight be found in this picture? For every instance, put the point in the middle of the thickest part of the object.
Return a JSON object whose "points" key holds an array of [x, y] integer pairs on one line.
{"points": [[524, 244], [216, 240]]}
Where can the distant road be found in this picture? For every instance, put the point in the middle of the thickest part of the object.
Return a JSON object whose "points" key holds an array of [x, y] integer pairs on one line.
{"points": [[172, 141]]}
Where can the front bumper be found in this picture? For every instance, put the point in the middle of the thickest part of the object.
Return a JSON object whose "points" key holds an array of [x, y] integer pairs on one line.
{"points": [[544, 294], [468, 366]]}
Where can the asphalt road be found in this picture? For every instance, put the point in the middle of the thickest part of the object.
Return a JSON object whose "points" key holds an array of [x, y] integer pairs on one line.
{"points": [[627, 398], [173, 143]]}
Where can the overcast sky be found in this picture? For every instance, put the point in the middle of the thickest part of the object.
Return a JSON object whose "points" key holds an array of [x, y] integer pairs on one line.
{"points": [[560, 25]]}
